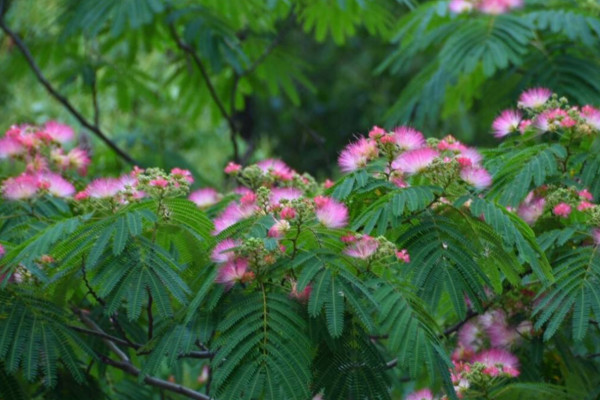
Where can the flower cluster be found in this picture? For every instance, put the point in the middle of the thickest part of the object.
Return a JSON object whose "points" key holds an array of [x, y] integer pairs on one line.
{"points": [[493, 7], [46, 162], [408, 154], [368, 248]]}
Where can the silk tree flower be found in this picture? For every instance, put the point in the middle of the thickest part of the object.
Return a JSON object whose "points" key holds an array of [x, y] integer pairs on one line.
{"points": [[288, 213], [472, 154], [376, 132], [277, 168], [534, 98], [159, 182], [408, 138], [585, 194], [278, 194], [232, 214], [233, 271], [79, 159], [562, 210], [55, 184], [179, 173], [2, 252], [591, 116], [357, 154], [471, 336], [204, 197], [279, 228], [460, 6], [102, 188], [223, 251], [532, 208], [403, 256], [585, 205], [300, 296], [498, 362], [451, 143], [60, 133], [498, 330], [363, 248], [506, 123], [596, 236], [21, 187], [10, 147], [423, 394], [413, 161], [331, 213], [478, 177], [232, 168], [496, 7]]}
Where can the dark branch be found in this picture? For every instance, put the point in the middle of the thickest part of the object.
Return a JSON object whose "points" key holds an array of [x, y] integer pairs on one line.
{"points": [[54, 93], [104, 336]]}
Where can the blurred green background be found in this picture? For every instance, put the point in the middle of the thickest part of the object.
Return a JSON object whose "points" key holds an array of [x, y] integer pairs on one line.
{"points": [[294, 79]]}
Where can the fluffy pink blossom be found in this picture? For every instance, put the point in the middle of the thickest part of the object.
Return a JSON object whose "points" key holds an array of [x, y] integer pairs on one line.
{"points": [[204, 197], [10, 147], [413, 161], [460, 6], [55, 184], [553, 119], [585, 194], [408, 138], [472, 154], [532, 208], [300, 296], [19, 188], [103, 188], [423, 394], [591, 116], [357, 154], [376, 132], [584, 205], [232, 168], [58, 132], [471, 335], [451, 143], [476, 176], [498, 361], [277, 168], [279, 228], [403, 256], [179, 173], [233, 271], [498, 329], [506, 123], [534, 98], [159, 182], [288, 213], [363, 247], [526, 123], [223, 251], [232, 214], [596, 236], [331, 213], [279, 194], [328, 183], [79, 159], [496, 7], [562, 210]]}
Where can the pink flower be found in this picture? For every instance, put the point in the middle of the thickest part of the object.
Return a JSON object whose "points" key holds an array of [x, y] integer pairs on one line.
{"points": [[362, 248], [159, 182], [408, 138], [277, 168], [204, 197], [472, 155], [19, 188], [451, 143], [506, 123], [233, 271], [10, 147], [585, 194], [584, 205], [328, 183], [79, 159], [562, 210], [460, 6], [279, 228], [2, 253], [476, 176], [232, 168], [204, 375], [532, 208], [279, 194], [356, 155], [376, 132], [223, 251], [526, 123], [496, 7], [498, 330], [331, 213], [232, 214], [58, 132], [423, 394], [591, 116], [103, 188], [413, 161], [471, 335], [300, 296], [288, 213], [498, 361], [55, 184], [403, 255], [534, 98], [179, 173], [596, 236]]}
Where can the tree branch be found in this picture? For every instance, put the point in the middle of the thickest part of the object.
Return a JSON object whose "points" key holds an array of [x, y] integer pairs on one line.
{"points": [[54, 93]]}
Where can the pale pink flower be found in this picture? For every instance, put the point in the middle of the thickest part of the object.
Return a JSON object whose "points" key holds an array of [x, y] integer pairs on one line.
{"points": [[357, 154], [58, 132], [403, 256], [231, 272], [476, 176], [596, 236], [408, 138], [2, 252], [204, 375], [79, 159], [223, 251], [460, 6], [279, 194], [159, 182], [204, 197], [19, 188], [300, 296], [279, 228], [288, 213], [413, 161], [471, 336], [562, 210], [506, 123], [451, 143], [554, 118], [103, 188], [277, 168], [10, 147], [423, 394], [498, 361], [534, 98], [179, 173], [363, 248], [55, 184], [585, 194], [232, 214], [526, 123], [498, 330], [376, 132], [232, 168], [331, 213], [399, 182], [328, 183], [591, 116], [584, 205], [472, 154]]}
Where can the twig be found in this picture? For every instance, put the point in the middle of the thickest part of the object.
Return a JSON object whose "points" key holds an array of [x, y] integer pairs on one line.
{"points": [[111, 345], [54, 93], [95, 102], [105, 336]]}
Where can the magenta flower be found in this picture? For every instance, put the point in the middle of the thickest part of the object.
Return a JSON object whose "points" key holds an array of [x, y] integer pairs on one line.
{"points": [[204, 197], [58, 132], [534, 98], [403, 256], [79, 159], [591, 116], [585, 194], [532, 208], [300, 296], [408, 138], [376, 132], [232, 168], [233, 271], [279, 228], [159, 182], [584, 205], [472, 155], [55, 184], [21, 187], [179, 173], [562, 210], [277, 168], [423, 394], [362, 248], [331, 213], [232, 214], [506, 123], [10, 147], [278, 194], [103, 188], [476, 176], [357, 154], [288, 213], [413, 161], [497, 362], [223, 251]]}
